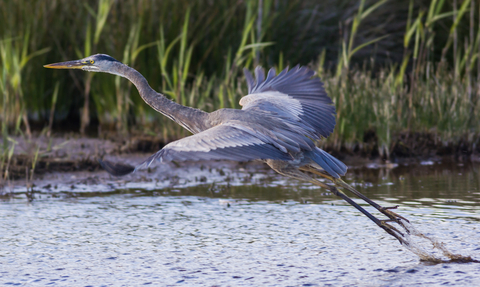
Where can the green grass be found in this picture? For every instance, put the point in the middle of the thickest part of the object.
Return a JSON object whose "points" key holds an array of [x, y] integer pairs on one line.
{"points": [[412, 71]]}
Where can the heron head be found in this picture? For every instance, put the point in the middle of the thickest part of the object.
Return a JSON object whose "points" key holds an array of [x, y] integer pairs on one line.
{"points": [[94, 63]]}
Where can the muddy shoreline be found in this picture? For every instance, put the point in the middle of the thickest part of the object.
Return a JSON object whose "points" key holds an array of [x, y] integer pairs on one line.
{"points": [[72, 153]]}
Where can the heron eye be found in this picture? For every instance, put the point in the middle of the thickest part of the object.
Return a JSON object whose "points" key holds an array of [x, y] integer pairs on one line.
{"points": [[92, 61]]}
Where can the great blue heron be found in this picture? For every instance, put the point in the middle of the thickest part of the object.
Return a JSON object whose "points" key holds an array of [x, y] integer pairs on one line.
{"points": [[281, 119]]}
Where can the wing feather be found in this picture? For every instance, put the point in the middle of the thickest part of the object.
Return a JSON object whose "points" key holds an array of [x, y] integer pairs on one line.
{"points": [[224, 142], [292, 95]]}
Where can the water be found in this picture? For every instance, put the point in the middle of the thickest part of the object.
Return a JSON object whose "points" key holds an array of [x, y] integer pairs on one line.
{"points": [[232, 227]]}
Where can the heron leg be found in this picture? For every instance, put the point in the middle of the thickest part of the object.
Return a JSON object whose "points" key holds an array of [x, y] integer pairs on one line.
{"points": [[385, 210], [339, 182], [381, 223], [295, 172]]}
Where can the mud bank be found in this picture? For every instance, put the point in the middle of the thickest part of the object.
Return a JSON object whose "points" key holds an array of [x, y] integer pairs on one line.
{"points": [[68, 153], [26, 159], [405, 146]]}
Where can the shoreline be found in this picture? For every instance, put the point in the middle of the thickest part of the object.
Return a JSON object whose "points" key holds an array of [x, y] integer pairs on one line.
{"points": [[71, 152]]}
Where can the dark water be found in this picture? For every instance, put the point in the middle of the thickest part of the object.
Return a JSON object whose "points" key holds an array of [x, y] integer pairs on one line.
{"points": [[227, 226]]}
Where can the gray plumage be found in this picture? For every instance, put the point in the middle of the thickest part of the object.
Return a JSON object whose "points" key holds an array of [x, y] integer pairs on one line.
{"points": [[281, 119]]}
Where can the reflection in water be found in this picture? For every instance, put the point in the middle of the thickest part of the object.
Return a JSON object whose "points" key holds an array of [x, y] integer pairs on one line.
{"points": [[243, 230], [448, 183]]}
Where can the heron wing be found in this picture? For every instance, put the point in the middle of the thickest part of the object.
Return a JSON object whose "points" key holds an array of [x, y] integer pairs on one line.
{"points": [[228, 141], [294, 96]]}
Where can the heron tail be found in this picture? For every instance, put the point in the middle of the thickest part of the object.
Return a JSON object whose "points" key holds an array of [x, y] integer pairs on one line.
{"points": [[329, 163]]}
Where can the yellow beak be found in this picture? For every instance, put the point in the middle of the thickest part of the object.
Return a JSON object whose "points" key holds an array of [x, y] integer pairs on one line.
{"points": [[67, 65]]}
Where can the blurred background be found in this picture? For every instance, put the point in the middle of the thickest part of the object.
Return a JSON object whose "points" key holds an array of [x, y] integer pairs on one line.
{"points": [[403, 74]]}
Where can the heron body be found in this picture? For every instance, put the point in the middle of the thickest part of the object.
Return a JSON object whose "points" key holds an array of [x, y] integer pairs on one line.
{"points": [[281, 119]]}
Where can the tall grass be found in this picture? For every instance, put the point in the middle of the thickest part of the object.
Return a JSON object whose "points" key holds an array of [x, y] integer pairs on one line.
{"points": [[414, 70], [15, 56], [428, 98]]}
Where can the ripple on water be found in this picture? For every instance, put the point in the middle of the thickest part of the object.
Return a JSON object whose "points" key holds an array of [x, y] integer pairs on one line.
{"points": [[258, 234]]}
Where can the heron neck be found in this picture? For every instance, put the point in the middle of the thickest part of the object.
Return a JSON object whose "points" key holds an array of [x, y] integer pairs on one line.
{"points": [[194, 120]]}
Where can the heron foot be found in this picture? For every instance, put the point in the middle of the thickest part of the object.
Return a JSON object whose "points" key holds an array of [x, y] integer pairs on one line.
{"points": [[394, 217], [393, 231], [390, 214], [384, 223], [390, 207]]}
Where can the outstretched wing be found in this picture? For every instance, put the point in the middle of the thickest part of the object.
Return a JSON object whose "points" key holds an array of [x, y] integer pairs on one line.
{"points": [[294, 96], [229, 141]]}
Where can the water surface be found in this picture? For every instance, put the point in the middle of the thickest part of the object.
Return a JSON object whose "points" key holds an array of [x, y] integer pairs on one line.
{"points": [[229, 226]]}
